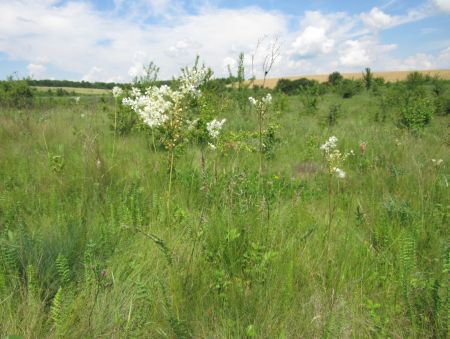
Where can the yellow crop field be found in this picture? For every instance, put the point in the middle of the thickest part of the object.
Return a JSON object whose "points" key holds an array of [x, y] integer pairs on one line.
{"points": [[91, 91], [388, 76]]}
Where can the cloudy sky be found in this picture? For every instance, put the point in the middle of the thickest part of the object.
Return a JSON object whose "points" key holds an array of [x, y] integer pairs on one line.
{"points": [[110, 40]]}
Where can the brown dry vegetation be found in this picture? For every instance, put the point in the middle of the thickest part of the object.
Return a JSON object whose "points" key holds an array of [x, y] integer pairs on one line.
{"points": [[388, 76]]}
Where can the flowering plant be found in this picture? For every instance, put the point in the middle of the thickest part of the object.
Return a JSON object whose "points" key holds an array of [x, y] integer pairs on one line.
{"points": [[334, 157]]}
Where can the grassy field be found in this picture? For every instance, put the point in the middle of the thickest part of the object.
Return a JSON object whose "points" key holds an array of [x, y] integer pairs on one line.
{"points": [[89, 247], [76, 90], [387, 76]]}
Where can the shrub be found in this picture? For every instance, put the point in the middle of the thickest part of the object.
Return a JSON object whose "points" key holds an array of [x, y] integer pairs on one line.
{"points": [[15, 93], [416, 113], [348, 88], [292, 87], [335, 78]]}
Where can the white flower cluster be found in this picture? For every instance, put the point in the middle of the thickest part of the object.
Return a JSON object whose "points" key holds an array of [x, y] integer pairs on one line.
{"points": [[153, 106], [437, 162], [214, 126], [334, 157], [264, 102], [192, 79], [329, 145], [117, 91], [339, 173]]}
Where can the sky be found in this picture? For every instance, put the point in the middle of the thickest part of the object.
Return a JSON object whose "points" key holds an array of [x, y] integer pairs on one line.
{"points": [[111, 40]]}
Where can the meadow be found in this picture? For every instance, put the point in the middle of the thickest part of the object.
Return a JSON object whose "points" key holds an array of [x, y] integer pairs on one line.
{"points": [[109, 228]]}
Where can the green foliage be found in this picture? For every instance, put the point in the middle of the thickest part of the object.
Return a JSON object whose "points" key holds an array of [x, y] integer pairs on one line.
{"points": [[57, 311], [310, 99], [368, 79], [335, 78], [293, 87], [416, 113], [91, 250], [62, 265], [15, 93], [348, 88], [333, 114], [124, 120]]}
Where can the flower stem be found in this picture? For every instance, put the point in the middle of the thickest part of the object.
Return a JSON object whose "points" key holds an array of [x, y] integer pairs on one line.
{"points": [[170, 183]]}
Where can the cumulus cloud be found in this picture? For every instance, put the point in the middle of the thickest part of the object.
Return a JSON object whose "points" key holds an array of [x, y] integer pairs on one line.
{"points": [[76, 38], [36, 71], [443, 5], [377, 19], [93, 74], [311, 41], [354, 54]]}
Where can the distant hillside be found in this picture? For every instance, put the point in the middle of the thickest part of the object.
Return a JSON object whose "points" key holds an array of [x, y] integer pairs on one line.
{"points": [[388, 76]]}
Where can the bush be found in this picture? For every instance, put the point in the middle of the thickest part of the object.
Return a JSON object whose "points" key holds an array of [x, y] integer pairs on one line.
{"points": [[416, 113], [292, 87], [335, 78], [348, 88], [15, 93]]}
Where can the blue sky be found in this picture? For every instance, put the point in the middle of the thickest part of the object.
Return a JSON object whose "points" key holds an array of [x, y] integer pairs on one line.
{"points": [[111, 40]]}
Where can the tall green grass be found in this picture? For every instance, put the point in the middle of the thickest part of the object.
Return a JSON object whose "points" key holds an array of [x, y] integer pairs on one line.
{"points": [[87, 248]]}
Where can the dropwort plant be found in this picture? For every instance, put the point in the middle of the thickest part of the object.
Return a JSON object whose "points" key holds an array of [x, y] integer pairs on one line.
{"points": [[167, 110], [334, 159]]}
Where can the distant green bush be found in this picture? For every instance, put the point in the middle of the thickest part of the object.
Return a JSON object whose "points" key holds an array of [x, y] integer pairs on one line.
{"points": [[15, 93], [348, 88], [292, 87]]}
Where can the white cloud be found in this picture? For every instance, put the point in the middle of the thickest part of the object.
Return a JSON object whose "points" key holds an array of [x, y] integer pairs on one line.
{"points": [[93, 74], [419, 61], [444, 57], [443, 5], [77, 39], [354, 54], [36, 71], [377, 19], [311, 41], [139, 61]]}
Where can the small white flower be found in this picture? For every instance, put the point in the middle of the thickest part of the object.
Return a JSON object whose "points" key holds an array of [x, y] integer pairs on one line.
{"points": [[212, 146], [191, 124], [267, 99], [117, 91], [77, 99], [339, 173], [329, 145], [135, 92], [253, 101], [214, 126], [437, 162]]}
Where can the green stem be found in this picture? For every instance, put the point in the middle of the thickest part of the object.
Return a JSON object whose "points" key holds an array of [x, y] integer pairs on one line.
{"points": [[115, 129], [170, 183]]}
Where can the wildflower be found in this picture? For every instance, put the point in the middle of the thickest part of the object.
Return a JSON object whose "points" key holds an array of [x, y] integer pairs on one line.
{"points": [[329, 145], [212, 146], [267, 99], [334, 157], [263, 103], [339, 173], [77, 100], [214, 126], [437, 162], [191, 124], [98, 163], [117, 91], [192, 79], [135, 92]]}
